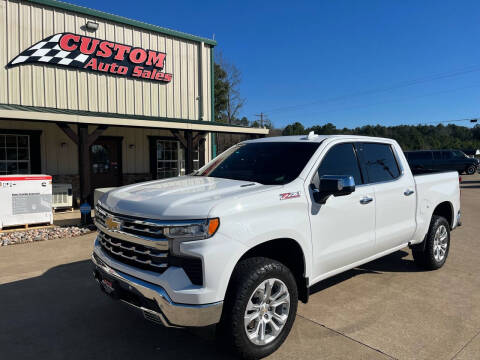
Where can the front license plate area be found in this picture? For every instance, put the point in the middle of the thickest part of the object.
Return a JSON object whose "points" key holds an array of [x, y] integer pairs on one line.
{"points": [[107, 286]]}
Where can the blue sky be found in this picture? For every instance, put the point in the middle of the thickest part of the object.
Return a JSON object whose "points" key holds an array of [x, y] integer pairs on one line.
{"points": [[348, 62]]}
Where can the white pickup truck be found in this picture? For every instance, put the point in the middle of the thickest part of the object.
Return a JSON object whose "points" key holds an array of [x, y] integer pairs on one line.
{"points": [[241, 240]]}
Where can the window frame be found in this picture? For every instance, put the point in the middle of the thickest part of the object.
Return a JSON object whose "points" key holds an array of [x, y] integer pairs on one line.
{"points": [[358, 144], [17, 161], [356, 154]]}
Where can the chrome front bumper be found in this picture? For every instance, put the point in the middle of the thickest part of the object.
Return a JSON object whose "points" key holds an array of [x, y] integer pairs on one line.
{"points": [[152, 300]]}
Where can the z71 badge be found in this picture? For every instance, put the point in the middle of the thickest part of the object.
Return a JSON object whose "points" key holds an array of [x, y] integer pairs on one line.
{"points": [[290, 195]]}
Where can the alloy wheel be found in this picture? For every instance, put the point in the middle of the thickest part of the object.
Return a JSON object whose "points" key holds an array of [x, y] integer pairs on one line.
{"points": [[267, 311], [440, 243]]}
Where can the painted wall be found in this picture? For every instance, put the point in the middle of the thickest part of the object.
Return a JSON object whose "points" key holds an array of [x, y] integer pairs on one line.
{"points": [[22, 24]]}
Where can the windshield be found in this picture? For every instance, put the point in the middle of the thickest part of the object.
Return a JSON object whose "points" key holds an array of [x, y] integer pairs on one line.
{"points": [[459, 154], [268, 163]]}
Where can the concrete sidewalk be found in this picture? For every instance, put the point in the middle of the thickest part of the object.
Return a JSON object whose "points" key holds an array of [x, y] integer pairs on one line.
{"points": [[50, 308]]}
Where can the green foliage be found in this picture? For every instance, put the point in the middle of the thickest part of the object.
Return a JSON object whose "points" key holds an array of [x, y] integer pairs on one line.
{"points": [[410, 137], [221, 93], [294, 129]]}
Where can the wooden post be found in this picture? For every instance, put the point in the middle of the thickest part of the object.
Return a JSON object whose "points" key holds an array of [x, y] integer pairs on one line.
{"points": [[84, 162], [189, 152]]}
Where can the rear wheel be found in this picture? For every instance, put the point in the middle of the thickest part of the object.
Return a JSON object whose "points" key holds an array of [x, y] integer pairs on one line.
{"points": [[260, 307], [471, 170], [437, 245]]}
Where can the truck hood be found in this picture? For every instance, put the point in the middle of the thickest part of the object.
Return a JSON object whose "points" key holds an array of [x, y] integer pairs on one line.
{"points": [[185, 197]]}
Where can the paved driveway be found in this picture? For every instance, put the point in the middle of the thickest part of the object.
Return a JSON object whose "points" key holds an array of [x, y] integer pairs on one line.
{"points": [[50, 308]]}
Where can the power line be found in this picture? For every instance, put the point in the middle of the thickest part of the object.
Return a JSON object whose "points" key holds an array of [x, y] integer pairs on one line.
{"points": [[397, 100], [261, 115], [472, 120], [398, 85]]}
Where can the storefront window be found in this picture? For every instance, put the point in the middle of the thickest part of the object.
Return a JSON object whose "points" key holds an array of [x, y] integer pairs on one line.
{"points": [[171, 159], [14, 154], [167, 158]]}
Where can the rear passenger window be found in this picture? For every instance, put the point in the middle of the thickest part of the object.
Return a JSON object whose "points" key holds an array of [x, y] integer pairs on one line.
{"points": [[379, 162], [341, 160]]}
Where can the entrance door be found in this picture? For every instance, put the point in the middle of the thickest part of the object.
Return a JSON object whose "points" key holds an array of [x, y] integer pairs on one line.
{"points": [[106, 162]]}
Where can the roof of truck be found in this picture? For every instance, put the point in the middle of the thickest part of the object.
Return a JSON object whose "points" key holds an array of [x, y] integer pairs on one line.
{"points": [[317, 138]]}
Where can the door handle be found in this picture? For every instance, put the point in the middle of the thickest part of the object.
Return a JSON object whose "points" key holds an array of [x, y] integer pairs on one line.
{"points": [[366, 200], [408, 192]]}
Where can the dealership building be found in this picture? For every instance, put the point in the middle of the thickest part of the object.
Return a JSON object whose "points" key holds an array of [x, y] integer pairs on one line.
{"points": [[98, 100]]}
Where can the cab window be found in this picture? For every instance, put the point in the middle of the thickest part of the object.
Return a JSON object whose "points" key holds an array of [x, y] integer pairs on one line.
{"points": [[341, 159], [379, 162]]}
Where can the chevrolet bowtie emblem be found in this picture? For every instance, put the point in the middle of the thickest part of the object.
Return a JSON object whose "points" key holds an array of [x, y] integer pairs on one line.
{"points": [[112, 224]]}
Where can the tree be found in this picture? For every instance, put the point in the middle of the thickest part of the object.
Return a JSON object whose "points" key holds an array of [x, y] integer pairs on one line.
{"points": [[228, 101], [410, 137], [221, 92], [294, 129]]}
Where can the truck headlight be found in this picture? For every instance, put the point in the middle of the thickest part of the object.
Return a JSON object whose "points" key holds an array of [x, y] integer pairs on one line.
{"points": [[193, 231]]}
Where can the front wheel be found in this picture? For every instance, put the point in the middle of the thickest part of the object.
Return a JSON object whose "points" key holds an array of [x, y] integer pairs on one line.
{"points": [[471, 170], [437, 245], [260, 307]]}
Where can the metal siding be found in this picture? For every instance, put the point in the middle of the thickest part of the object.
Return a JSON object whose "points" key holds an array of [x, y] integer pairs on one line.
{"points": [[12, 50], [101, 77], [25, 23], [60, 73], [170, 87], [72, 76], [129, 84], [176, 82], [154, 87], [147, 109], [22, 24], [3, 52], [25, 41], [111, 80], [38, 92], [138, 84], [120, 81], [162, 90]]}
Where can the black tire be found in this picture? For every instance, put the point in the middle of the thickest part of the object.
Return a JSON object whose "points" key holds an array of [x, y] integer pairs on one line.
{"points": [[247, 276], [427, 258], [471, 170]]}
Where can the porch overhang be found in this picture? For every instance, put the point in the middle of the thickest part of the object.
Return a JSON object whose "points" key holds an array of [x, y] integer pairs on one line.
{"points": [[33, 113]]}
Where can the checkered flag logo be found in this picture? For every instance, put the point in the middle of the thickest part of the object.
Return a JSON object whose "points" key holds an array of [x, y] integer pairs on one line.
{"points": [[49, 51]]}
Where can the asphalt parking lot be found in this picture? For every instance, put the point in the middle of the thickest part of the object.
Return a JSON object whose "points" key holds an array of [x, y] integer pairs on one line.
{"points": [[50, 308]]}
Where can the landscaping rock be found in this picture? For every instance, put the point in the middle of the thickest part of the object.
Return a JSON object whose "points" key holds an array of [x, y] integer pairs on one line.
{"points": [[31, 235]]}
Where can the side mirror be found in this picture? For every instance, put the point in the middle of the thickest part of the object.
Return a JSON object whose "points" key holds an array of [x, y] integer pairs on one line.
{"points": [[336, 185]]}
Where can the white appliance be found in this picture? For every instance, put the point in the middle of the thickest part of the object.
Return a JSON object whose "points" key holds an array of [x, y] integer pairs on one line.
{"points": [[25, 199], [62, 196]]}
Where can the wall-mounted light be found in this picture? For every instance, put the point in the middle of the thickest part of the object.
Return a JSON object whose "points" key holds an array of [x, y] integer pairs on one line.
{"points": [[63, 145], [92, 26], [131, 146]]}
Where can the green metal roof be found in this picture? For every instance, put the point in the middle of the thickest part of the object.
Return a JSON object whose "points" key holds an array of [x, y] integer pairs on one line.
{"points": [[120, 19], [109, 115]]}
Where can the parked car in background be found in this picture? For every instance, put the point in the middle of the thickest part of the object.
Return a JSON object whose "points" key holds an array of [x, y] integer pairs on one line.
{"points": [[243, 239], [441, 160]]}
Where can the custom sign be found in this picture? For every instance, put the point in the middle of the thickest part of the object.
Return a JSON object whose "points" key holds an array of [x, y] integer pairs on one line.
{"points": [[84, 52]]}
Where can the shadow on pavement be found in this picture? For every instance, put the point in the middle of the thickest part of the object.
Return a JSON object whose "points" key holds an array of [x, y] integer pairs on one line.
{"points": [[63, 315], [394, 262]]}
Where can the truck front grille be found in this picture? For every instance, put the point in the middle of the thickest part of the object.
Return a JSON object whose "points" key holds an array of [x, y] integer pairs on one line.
{"points": [[134, 254], [141, 243]]}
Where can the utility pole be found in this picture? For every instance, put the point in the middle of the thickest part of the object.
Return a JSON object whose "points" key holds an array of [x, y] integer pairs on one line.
{"points": [[261, 115]]}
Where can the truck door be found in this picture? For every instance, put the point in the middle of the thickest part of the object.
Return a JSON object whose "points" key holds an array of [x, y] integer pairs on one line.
{"points": [[395, 198], [343, 228]]}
